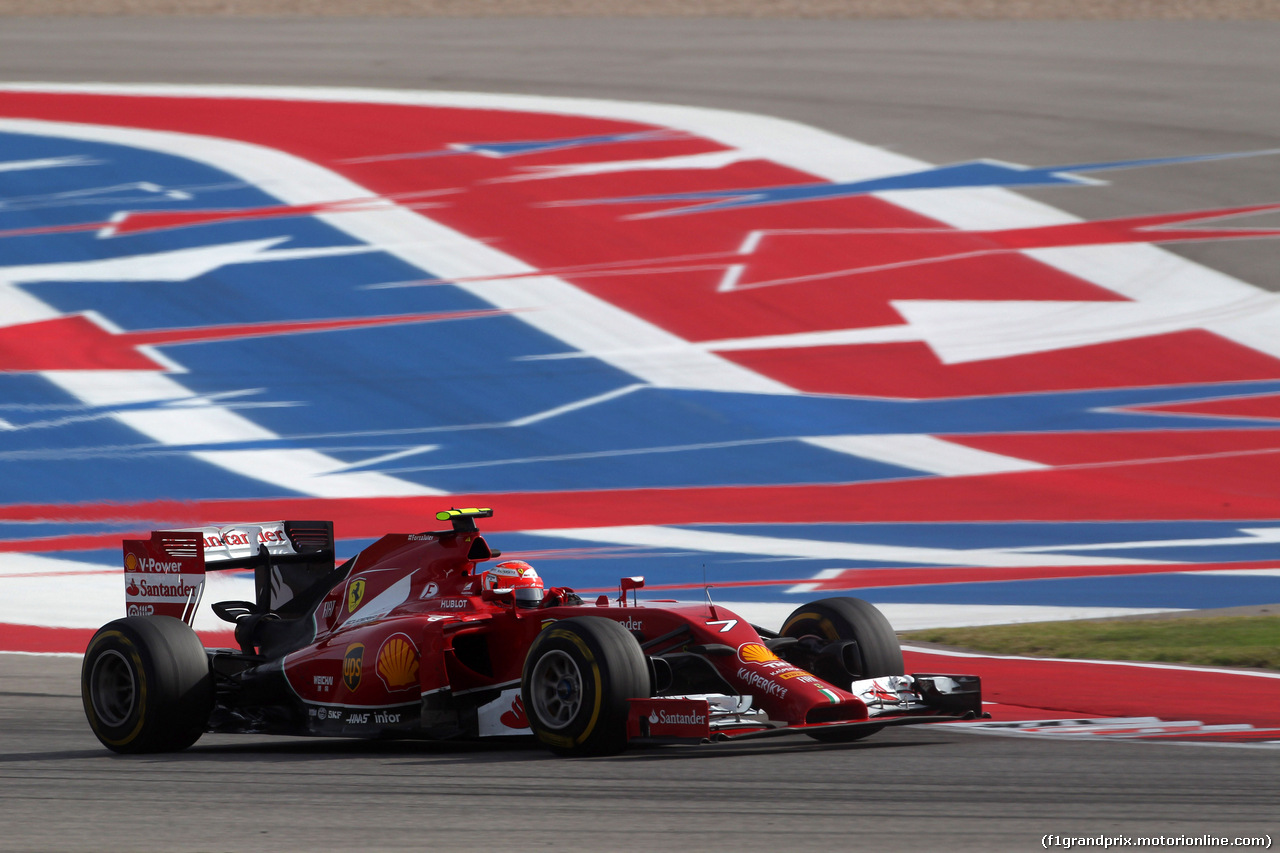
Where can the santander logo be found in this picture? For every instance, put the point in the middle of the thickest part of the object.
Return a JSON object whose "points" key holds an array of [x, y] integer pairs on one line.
{"points": [[515, 718]]}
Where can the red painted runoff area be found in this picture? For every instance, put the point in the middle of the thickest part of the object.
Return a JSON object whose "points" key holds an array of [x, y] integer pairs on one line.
{"points": [[1025, 688]]}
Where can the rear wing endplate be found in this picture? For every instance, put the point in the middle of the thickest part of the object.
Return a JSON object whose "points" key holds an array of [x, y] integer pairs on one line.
{"points": [[165, 575]]}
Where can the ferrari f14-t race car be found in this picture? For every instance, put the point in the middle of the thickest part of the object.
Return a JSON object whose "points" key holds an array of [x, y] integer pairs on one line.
{"points": [[415, 638]]}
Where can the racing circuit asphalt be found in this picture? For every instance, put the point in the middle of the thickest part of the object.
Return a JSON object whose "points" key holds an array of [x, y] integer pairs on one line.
{"points": [[909, 789], [1039, 93]]}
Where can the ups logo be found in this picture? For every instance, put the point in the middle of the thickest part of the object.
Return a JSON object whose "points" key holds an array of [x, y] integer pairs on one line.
{"points": [[355, 594], [353, 666]]}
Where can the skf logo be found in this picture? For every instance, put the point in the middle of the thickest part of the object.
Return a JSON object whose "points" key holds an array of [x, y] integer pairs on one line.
{"points": [[353, 665], [398, 662], [755, 653], [355, 594]]}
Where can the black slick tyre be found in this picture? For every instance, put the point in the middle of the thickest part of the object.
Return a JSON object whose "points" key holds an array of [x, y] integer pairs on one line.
{"points": [[850, 619], [578, 676], [146, 685]]}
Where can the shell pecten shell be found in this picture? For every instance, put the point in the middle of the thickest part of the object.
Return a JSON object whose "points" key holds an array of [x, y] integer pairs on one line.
{"points": [[755, 653], [398, 663]]}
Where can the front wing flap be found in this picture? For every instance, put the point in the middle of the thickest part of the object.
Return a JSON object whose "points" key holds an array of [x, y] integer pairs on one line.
{"points": [[890, 700]]}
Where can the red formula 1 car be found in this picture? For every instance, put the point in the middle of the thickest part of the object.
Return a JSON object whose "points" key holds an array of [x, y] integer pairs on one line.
{"points": [[415, 638]]}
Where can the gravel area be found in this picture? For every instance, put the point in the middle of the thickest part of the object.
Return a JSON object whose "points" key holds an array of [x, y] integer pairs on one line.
{"points": [[1220, 10]]}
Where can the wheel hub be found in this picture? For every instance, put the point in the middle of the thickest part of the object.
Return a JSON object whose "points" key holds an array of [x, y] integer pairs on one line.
{"points": [[113, 689], [556, 690]]}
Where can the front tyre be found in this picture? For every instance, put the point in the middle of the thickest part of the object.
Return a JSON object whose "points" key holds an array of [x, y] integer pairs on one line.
{"points": [[578, 678], [146, 685], [878, 651]]}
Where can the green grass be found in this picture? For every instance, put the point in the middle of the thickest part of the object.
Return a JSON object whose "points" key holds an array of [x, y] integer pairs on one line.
{"points": [[1250, 641]]}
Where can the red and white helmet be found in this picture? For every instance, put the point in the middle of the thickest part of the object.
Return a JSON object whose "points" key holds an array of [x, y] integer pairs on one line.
{"points": [[512, 577]]}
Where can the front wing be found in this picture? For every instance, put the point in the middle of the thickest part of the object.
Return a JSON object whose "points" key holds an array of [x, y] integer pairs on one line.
{"points": [[894, 700]]}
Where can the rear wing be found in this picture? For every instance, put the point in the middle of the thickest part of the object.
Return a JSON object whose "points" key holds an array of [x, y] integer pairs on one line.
{"points": [[165, 575]]}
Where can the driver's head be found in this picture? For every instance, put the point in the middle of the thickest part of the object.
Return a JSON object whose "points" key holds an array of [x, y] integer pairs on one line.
{"points": [[514, 578]]}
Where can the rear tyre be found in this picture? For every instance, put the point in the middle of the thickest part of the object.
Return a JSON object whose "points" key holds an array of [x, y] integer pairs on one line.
{"points": [[879, 653], [146, 685], [578, 676]]}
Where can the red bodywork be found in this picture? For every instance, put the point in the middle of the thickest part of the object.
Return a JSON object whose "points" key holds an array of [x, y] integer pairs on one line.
{"points": [[397, 629], [399, 639]]}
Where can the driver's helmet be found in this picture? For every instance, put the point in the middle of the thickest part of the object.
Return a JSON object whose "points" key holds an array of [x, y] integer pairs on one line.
{"points": [[515, 578]]}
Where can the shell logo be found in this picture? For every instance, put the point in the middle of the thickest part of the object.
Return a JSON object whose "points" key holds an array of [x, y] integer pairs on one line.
{"points": [[755, 653], [130, 562], [398, 663]]}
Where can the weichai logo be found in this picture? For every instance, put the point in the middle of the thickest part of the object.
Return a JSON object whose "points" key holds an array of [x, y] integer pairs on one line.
{"points": [[353, 665]]}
